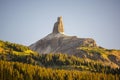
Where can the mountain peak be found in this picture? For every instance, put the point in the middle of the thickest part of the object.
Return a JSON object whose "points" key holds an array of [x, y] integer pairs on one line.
{"points": [[58, 26], [57, 41]]}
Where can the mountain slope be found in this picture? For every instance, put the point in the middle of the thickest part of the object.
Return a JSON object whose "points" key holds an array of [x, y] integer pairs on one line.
{"points": [[81, 61], [86, 48], [57, 41], [51, 66], [105, 56], [13, 48]]}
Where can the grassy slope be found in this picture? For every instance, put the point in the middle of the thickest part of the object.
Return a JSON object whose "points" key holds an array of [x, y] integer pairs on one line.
{"points": [[13, 48], [109, 57]]}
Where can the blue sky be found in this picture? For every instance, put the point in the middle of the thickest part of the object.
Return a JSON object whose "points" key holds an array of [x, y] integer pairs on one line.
{"points": [[26, 21]]}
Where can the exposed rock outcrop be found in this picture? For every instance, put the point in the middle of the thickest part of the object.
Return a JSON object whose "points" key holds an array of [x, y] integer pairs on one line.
{"points": [[85, 48], [57, 42], [58, 26]]}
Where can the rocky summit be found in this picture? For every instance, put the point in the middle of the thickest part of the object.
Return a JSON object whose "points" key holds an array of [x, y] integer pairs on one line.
{"points": [[58, 42], [58, 26], [84, 48]]}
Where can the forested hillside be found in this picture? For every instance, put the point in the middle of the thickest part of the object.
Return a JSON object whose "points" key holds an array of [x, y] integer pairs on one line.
{"points": [[18, 62], [20, 71], [14, 49]]}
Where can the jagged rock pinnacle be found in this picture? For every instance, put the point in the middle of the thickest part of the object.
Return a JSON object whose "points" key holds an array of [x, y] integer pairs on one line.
{"points": [[58, 26]]}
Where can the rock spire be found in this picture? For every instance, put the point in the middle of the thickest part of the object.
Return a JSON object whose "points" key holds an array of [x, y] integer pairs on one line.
{"points": [[58, 42], [58, 26]]}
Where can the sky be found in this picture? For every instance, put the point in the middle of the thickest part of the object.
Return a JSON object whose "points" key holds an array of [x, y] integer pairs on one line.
{"points": [[27, 21]]}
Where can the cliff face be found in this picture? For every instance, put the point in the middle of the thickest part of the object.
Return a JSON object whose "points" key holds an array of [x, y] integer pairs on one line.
{"points": [[58, 42]]}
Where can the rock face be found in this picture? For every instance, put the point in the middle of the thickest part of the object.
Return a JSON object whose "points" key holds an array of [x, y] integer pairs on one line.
{"points": [[58, 42], [58, 26]]}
